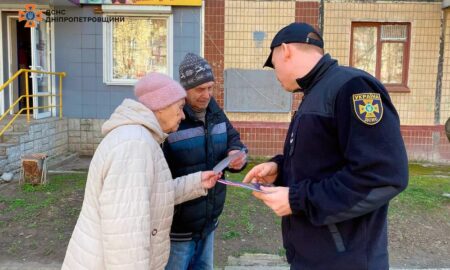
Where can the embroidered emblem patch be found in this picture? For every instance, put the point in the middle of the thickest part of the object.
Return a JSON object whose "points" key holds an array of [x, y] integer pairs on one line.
{"points": [[368, 107]]}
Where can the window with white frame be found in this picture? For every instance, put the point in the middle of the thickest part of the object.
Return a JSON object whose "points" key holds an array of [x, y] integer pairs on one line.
{"points": [[135, 46]]}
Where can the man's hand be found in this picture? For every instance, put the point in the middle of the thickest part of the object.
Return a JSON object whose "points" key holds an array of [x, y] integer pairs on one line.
{"points": [[239, 161], [209, 179], [277, 198], [265, 173]]}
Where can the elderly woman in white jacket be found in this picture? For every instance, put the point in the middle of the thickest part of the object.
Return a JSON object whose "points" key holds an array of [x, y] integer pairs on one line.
{"points": [[130, 194]]}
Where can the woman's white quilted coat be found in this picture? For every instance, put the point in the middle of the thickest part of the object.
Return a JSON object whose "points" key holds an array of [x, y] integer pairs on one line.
{"points": [[129, 199]]}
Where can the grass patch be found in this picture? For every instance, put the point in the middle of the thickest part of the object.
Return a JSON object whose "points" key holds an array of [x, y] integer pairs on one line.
{"points": [[245, 224], [242, 208], [36, 221], [424, 192], [30, 200], [428, 169], [244, 216]]}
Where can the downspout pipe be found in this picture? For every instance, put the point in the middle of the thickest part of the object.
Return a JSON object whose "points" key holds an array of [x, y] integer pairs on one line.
{"points": [[321, 16], [445, 6]]}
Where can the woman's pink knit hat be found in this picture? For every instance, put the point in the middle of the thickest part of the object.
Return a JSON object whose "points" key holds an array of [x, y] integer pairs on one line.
{"points": [[157, 91]]}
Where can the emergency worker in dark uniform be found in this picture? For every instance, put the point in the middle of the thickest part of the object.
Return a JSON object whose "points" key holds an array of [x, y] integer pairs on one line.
{"points": [[343, 159]]}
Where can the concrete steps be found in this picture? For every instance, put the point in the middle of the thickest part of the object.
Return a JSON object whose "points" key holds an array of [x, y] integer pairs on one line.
{"points": [[257, 262], [19, 125], [248, 262], [24, 137], [275, 262], [4, 148], [256, 268], [12, 136]]}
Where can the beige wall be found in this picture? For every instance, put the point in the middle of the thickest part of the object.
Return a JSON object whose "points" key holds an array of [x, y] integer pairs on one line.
{"points": [[242, 18], [263, 117], [445, 104], [416, 107]]}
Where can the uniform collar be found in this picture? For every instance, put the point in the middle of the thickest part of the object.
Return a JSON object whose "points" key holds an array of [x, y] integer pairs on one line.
{"points": [[309, 80]]}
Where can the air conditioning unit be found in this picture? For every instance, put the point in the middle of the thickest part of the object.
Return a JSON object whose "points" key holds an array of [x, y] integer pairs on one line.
{"points": [[445, 4]]}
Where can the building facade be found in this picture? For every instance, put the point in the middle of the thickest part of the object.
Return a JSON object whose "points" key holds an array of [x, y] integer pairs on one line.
{"points": [[104, 46], [404, 44]]}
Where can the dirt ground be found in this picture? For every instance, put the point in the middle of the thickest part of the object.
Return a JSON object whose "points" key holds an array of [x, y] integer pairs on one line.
{"points": [[246, 226], [419, 242], [76, 164], [39, 230]]}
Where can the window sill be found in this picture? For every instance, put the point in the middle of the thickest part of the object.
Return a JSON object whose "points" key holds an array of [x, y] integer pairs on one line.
{"points": [[122, 83], [398, 89]]}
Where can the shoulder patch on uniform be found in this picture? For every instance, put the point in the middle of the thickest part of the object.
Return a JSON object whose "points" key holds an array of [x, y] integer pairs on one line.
{"points": [[368, 107]]}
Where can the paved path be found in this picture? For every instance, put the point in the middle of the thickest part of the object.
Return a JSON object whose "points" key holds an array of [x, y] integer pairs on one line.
{"points": [[29, 266], [57, 266], [274, 262]]}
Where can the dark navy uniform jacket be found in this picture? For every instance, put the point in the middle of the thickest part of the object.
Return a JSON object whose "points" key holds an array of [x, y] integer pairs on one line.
{"points": [[198, 146], [343, 160]]}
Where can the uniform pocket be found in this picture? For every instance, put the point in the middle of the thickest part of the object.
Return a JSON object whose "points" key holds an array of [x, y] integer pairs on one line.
{"points": [[337, 238]]}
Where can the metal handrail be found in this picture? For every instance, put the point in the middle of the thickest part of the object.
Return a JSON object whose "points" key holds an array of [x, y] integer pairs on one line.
{"points": [[27, 96]]}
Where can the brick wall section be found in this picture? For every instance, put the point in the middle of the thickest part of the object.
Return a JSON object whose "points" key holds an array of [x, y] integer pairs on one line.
{"points": [[423, 143], [426, 143], [307, 12], [60, 137], [214, 43], [82, 136], [262, 138]]}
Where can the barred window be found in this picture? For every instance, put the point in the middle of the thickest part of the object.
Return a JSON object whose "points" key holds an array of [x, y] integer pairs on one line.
{"points": [[382, 49]]}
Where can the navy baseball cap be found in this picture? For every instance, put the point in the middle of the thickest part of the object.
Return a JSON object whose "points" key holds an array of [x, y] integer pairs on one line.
{"points": [[293, 33]]}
